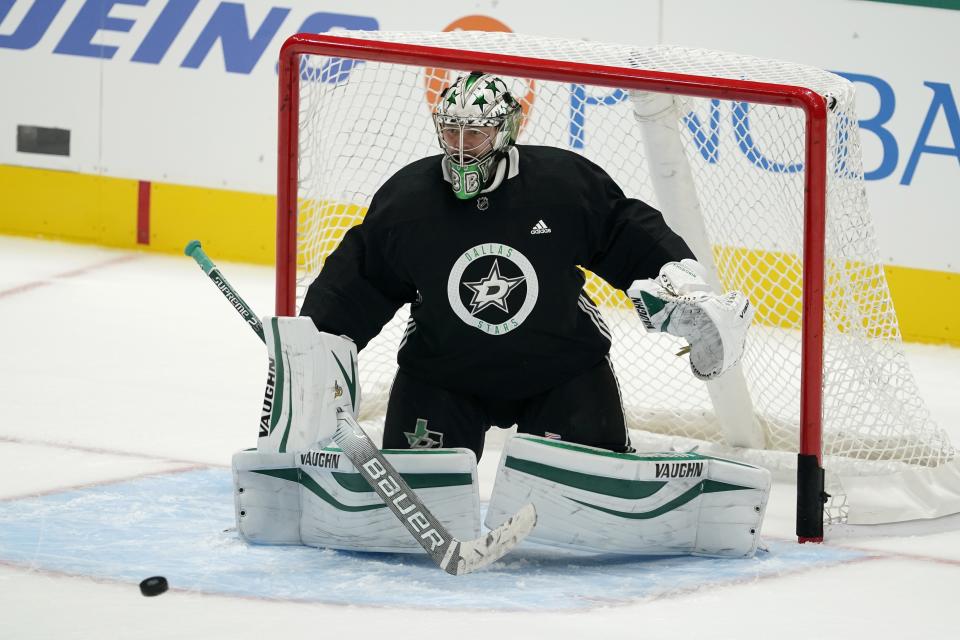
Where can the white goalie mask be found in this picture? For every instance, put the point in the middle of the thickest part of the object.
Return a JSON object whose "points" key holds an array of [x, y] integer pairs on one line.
{"points": [[477, 121]]}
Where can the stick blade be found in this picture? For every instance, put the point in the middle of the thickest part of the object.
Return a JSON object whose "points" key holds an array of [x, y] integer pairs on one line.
{"points": [[485, 550]]}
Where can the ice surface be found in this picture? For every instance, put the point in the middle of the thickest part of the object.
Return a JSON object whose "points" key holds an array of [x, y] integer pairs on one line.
{"points": [[128, 382]]}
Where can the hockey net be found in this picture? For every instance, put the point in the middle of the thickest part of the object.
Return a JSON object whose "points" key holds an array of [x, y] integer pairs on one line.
{"points": [[357, 115]]}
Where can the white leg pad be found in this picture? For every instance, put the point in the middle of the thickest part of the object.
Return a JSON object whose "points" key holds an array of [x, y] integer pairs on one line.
{"points": [[310, 375], [644, 504], [317, 498], [266, 498]]}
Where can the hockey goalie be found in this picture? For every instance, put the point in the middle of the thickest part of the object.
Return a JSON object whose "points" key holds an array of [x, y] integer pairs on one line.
{"points": [[486, 242]]}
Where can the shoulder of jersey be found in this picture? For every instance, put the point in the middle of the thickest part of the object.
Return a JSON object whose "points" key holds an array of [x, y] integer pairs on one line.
{"points": [[425, 172], [402, 194], [557, 163], [543, 156]]}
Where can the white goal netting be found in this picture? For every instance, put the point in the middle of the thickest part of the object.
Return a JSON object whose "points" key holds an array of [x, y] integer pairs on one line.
{"points": [[360, 121]]}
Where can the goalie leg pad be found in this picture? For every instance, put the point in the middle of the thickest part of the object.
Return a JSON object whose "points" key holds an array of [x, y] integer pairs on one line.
{"points": [[318, 498], [643, 504], [311, 374], [266, 497]]}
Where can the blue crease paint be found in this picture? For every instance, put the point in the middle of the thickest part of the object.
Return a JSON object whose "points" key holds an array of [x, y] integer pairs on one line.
{"points": [[182, 526]]}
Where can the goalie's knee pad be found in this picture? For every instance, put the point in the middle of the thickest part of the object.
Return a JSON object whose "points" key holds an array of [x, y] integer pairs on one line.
{"points": [[647, 504], [318, 498]]}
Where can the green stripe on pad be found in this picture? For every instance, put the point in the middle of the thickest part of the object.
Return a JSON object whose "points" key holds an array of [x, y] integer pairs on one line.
{"points": [[671, 457], [664, 457], [355, 482], [616, 487], [704, 486], [294, 475], [278, 380], [418, 452]]}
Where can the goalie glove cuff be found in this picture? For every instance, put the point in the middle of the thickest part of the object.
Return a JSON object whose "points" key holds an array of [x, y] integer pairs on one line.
{"points": [[687, 277]]}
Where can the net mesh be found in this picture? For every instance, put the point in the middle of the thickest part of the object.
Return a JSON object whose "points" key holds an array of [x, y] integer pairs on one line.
{"points": [[362, 121]]}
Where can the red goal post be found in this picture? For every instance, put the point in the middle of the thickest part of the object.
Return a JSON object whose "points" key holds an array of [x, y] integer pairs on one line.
{"points": [[815, 107]]}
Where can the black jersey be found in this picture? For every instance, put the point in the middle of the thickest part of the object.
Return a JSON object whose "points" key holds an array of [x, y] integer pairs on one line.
{"points": [[497, 301]]}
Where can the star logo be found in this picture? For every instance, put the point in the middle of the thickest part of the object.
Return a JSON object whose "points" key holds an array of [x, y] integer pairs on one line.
{"points": [[423, 438], [493, 290], [453, 96], [470, 295], [492, 86], [480, 101]]}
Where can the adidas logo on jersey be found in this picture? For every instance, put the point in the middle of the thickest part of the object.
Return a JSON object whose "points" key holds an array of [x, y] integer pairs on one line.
{"points": [[540, 227]]}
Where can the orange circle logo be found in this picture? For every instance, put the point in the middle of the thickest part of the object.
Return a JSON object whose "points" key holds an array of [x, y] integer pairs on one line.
{"points": [[438, 79]]}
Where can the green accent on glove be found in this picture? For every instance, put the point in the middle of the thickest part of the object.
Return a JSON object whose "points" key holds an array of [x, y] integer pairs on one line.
{"points": [[653, 304]]}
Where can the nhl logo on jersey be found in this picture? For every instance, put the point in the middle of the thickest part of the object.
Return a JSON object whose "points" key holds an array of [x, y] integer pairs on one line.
{"points": [[483, 203], [492, 287]]}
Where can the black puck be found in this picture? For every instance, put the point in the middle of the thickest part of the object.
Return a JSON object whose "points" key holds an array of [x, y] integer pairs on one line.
{"points": [[153, 586]]}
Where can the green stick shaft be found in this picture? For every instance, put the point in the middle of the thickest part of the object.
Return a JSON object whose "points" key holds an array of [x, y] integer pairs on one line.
{"points": [[194, 250]]}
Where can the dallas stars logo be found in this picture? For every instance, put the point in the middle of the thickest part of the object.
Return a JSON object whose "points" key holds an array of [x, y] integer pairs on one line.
{"points": [[480, 300], [423, 438], [493, 290]]}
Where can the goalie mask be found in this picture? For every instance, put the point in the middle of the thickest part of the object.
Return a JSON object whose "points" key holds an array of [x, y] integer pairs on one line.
{"points": [[477, 120]]}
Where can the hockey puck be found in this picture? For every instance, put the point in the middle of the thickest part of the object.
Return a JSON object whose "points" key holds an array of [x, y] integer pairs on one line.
{"points": [[153, 586]]}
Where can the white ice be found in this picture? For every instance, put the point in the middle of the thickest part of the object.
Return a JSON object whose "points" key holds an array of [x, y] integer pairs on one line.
{"points": [[122, 364]]}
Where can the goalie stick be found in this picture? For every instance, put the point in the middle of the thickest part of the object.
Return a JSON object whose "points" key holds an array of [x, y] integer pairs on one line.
{"points": [[456, 557], [194, 250]]}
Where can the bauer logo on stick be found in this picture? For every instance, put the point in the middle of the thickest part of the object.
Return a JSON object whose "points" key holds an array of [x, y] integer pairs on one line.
{"points": [[377, 473]]}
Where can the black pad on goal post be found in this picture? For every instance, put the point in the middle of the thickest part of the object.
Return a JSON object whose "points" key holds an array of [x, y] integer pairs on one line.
{"points": [[811, 498]]}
